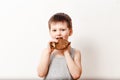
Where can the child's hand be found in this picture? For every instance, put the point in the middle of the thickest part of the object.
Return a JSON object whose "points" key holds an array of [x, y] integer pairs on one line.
{"points": [[67, 50], [50, 48]]}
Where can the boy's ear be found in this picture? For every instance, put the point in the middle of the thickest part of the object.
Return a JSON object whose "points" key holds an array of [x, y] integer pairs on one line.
{"points": [[71, 32]]}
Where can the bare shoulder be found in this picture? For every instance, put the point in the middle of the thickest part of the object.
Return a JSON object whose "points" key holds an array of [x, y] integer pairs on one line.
{"points": [[77, 52]]}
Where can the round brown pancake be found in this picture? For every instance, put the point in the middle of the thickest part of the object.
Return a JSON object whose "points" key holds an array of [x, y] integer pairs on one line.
{"points": [[60, 45]]}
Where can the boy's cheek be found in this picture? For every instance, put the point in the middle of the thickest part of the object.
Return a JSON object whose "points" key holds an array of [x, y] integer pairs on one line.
{"points": [[65, 37]]}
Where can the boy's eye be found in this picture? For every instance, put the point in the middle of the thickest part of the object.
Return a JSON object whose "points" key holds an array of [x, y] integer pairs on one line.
{"points": [[53, 30], [63, 29]]}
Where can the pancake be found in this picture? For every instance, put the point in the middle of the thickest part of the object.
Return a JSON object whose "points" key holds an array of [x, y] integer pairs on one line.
{"points": [[60, 45]]}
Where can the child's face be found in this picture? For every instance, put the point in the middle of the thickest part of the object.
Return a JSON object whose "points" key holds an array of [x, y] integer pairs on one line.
{"points": [[60, 29]]}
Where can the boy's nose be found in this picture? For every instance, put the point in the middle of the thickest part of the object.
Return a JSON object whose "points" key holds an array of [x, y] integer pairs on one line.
{"points": [[58, 33]]}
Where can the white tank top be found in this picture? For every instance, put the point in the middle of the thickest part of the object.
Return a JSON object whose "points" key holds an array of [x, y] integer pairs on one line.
{"points": [[58, 69]]}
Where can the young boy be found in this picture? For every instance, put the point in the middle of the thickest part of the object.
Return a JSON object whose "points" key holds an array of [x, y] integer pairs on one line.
{"points": [[60, 64]]}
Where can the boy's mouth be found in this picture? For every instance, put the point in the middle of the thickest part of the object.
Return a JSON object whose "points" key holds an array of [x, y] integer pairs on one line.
{"points": [[59, 38]]}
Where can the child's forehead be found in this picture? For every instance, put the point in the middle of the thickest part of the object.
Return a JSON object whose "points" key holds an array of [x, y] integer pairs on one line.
{"points": [[58, 23]]}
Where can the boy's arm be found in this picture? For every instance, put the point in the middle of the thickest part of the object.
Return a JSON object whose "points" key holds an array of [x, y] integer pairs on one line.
{"points": [[44, 63], [45, 60], [74, 66]]}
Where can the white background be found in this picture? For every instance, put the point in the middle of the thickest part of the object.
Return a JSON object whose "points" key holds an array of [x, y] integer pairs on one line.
{"points": [[24, 33]]}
